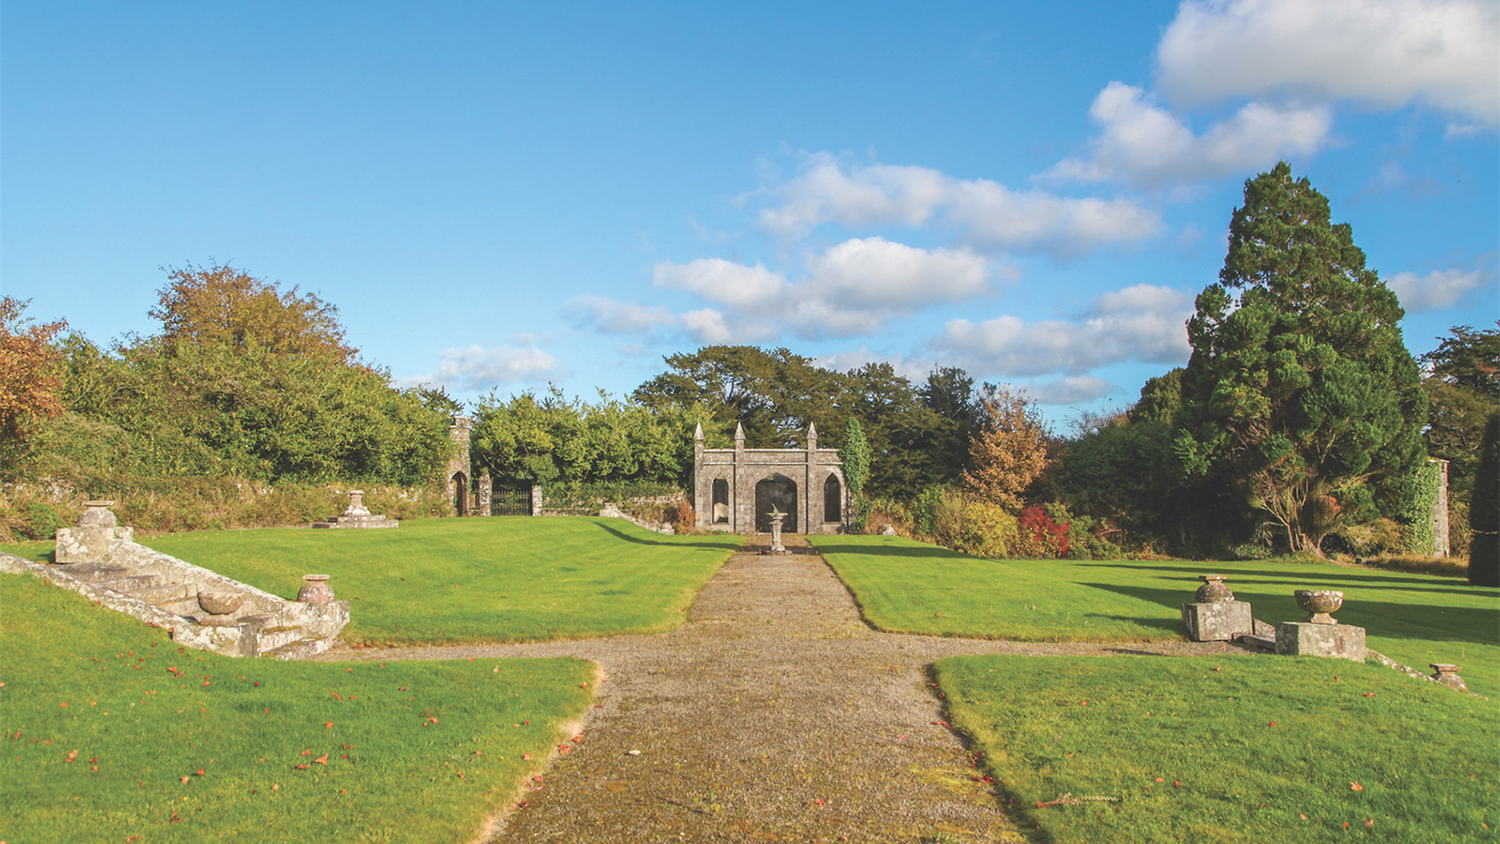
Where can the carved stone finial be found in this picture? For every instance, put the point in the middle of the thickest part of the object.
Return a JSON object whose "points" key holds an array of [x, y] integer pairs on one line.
{"points": [[698, 433]]}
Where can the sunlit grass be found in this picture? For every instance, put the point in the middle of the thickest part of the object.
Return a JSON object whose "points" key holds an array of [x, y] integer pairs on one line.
{"points": [[112, 731], [1229, 750], [502, 579], [908, 586]]}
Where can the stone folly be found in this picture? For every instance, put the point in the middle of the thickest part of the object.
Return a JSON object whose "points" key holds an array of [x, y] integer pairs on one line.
{"points": [[735, 489], [357, 515], [459, 475]]}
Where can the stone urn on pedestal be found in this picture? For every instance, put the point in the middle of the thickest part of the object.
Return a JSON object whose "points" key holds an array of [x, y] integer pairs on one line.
{"points": [[316, 590], [1214, 615], [1320, 634], [1319, 603]]}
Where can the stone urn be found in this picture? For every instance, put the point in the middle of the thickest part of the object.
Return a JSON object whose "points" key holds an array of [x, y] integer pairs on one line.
{"points": [[220, 603], [1213, 590], [316, 590], [1319, 603], [96, 514]]}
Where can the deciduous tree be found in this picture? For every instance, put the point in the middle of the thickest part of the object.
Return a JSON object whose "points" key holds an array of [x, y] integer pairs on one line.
{"points": [[222, 305], [1010, 449], [30, 380]]}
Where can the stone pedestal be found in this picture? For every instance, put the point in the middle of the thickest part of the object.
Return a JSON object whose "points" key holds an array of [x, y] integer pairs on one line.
{"points": [[357, 515], [95, 537], [1217, 621], [1302, 638]]}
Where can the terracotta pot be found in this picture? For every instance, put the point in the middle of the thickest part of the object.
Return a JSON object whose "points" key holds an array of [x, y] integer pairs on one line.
{"points": [[316, 590], [1319, 603]]}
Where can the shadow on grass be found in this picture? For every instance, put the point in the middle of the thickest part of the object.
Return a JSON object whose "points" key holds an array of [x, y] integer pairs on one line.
{"points": [[1320, 573], [641, 540], [1390, 619], [908, 551]]}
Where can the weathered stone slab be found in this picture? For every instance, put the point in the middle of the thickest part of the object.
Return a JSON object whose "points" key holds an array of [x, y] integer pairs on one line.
{"points": [[1217, 621], [1301, 638]]}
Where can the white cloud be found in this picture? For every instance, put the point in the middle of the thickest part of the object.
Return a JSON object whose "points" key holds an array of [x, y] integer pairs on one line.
{"points": [[476, 368], [914, 369], [707, 325], [1141, 323], [1145, 146], [1071, 389], [853, 288], [1386, 53], [1437, 289], [991, 214], [725, 282], [613, 317]]}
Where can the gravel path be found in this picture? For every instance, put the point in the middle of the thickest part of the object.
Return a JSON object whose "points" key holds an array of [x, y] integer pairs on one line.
{"points": [[773, 714]]}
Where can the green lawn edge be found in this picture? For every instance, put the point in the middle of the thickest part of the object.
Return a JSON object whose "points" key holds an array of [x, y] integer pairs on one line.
{"points": [[1234, 749]]}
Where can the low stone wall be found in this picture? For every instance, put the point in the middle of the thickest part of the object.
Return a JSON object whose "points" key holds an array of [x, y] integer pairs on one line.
{"points": [[264, 624]]}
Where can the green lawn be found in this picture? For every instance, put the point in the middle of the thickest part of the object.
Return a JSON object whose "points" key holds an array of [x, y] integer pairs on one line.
{"points": [[112, 733], [502, 579], [1229, 750], [913, 587]]}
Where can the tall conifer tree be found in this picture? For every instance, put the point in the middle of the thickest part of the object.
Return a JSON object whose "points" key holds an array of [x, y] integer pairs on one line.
{"points": [[1300, 399]]}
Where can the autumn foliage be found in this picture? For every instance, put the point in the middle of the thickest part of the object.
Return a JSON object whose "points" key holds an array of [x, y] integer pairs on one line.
{"points": [[1010, 450], [225, 306], [1039, 536], [29, 376]]}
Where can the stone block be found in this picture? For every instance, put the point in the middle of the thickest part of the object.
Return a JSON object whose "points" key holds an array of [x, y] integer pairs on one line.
{"points": [[90, 544], [1218, 621], [1301, 638]]}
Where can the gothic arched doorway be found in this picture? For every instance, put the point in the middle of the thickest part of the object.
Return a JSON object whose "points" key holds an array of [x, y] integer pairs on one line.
{"points": [[459, 483], [781, 492], [833, 500]]}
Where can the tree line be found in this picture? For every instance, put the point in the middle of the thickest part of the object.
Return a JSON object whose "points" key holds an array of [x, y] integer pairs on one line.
{"points": [[1301, 423]]}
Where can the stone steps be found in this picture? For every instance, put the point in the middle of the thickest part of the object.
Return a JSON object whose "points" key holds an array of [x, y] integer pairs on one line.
{"points": [[93, 572], [130, 584]]}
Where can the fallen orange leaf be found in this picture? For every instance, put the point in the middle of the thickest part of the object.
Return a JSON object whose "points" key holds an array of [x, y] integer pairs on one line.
{"points": [[71, 756], [322, 760], [1354, 786]]}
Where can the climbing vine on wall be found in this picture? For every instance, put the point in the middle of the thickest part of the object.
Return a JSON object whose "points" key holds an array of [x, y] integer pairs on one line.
{"points": [[1418, 514]]}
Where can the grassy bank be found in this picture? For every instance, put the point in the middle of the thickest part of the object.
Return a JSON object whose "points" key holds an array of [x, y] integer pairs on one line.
{"points": [[502, 579], [113, 733], [1232, 750], [908, 586]]}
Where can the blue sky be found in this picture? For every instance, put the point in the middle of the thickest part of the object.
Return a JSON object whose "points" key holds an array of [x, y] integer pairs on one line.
{"points": [[498, 197]]}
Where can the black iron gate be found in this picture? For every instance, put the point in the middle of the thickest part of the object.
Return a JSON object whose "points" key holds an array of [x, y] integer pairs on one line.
{"points": [[511, 502]]}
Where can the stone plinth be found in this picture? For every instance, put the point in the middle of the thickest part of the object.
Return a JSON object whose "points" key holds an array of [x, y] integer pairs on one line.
{"points": [[1217, 621], [357, 515], [1302, 638], [95, 538]]}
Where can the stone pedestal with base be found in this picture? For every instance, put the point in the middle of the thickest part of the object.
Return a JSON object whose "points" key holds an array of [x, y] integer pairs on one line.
{"points": [[1305, 638], [357, 515], [95, 538], [1217, 621]]}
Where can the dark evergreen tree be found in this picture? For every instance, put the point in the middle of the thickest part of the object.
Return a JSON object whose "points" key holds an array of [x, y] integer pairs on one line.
{"points": [[1300, 400]]}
